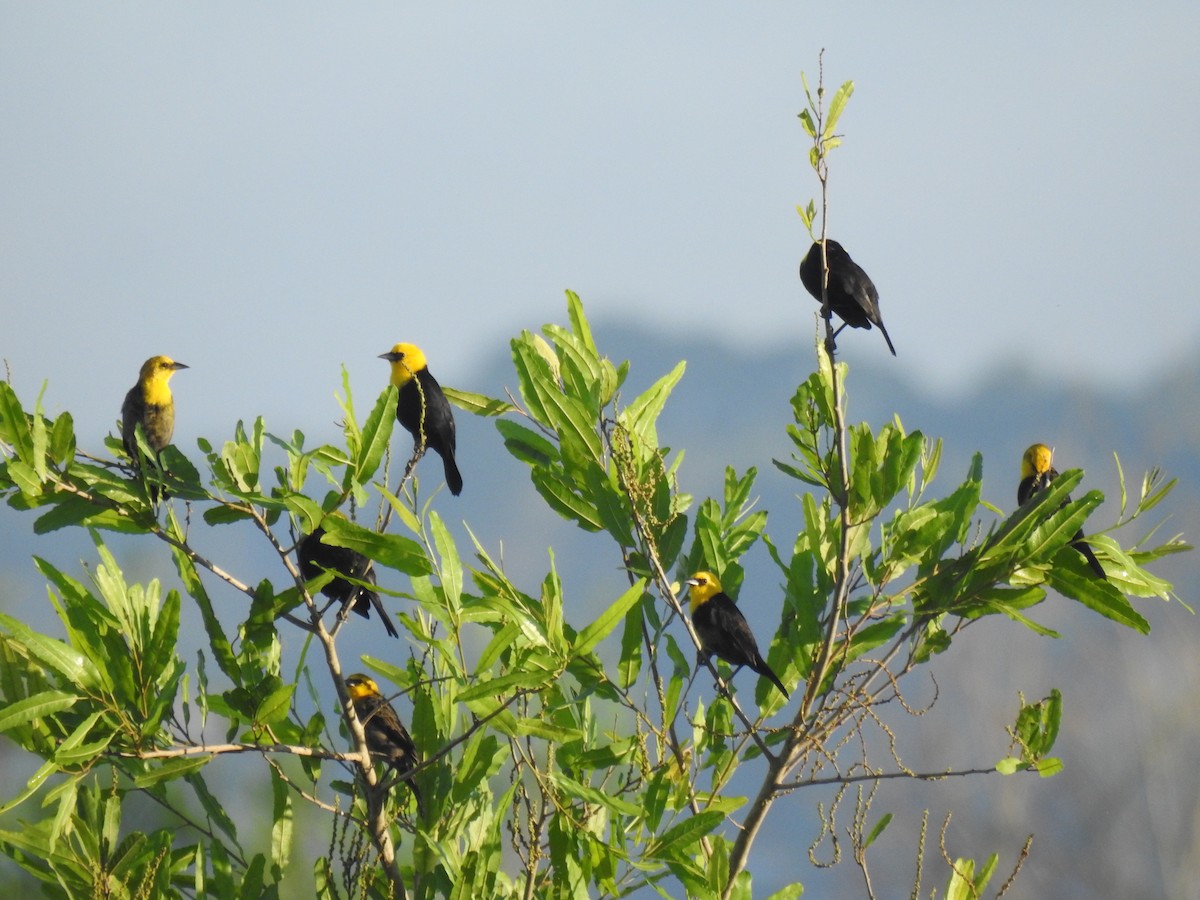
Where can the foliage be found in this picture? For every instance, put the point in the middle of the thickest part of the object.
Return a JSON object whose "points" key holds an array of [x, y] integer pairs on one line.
{"points": [[565, 754], [568, 757]]}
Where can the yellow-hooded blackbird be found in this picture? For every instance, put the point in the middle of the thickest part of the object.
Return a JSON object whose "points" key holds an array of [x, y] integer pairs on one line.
{"points": [[723, 630], [387, 738], [316, 556], [1037, 471], [149, 403], [851, 292], [422, 408]]}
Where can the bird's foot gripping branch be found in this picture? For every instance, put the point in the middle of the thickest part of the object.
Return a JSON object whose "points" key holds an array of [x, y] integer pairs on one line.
{"points": [[593, 739]]}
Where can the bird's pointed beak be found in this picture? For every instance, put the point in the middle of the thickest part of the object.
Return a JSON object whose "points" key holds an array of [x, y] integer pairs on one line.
{"points": [[180, 365], [390, 356], [692, 581]]}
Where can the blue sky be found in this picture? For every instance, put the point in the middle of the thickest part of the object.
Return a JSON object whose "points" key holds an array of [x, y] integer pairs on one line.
{"points": [[266, 192]]}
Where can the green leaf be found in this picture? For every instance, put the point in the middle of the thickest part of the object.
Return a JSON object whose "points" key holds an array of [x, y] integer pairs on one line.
{"points": [[836, 107], [56, 655], [73, 751], [282, 826], [14, 426], [389, 550], [564, 500], [680, 838], [611, 506], [599, 629], [631, 647], [505, 685], [449, 564], [525, 444], [309, 514], [579, 441], [25, 478], [276, 706], [170, 770], [642, 414], [1071, 578], [533, 365], [213, 808], [877, 830], [32, 786], [36, 706], [478, 404], [77, 511], [1008, 765], [375, 436]]}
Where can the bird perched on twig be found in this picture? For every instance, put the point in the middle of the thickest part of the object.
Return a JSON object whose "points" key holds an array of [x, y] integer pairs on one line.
{"points": [[149, 403], [316, 556], [1037, 472], [852, 294], [422, 408], [723, 630], [387, 738]]}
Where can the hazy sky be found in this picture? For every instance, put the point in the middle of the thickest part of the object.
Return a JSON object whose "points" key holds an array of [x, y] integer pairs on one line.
{"points": [[267, 191]]}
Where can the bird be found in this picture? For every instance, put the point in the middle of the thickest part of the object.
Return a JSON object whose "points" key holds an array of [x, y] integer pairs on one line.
{"points": [[1037, 471], [422, 408], [723, 630], [149, 403], [387, 738], [852, 294], [316, 556]]}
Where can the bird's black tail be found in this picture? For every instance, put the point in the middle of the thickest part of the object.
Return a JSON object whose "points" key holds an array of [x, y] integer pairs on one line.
{"points": [[412, 785], [453, 477], [1085, 548], [367, 600], [886, 338], [760, 666]]}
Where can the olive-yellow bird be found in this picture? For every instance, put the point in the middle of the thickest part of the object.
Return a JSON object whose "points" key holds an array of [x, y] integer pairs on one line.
{"points": [[149, 403], [387, 738]]}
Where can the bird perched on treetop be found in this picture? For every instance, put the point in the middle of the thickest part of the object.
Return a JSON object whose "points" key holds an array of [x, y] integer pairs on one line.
{"points": [[1037, 471], [387, 738], [422, 408], [316, 556], [723, 630], [149, 403], [851, 292]]}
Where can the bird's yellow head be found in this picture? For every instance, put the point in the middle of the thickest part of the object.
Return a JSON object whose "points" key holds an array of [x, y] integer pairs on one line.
{"points": [[703, 587], [153, 378], [1036, 461], [361, 686], [407, 360]]}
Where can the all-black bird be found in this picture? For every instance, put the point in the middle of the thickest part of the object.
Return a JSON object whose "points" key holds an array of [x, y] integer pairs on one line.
{"points": [[852, 294], [1037, 471], [723, 630], [315, 557], [423, 409], [387, 738]]}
